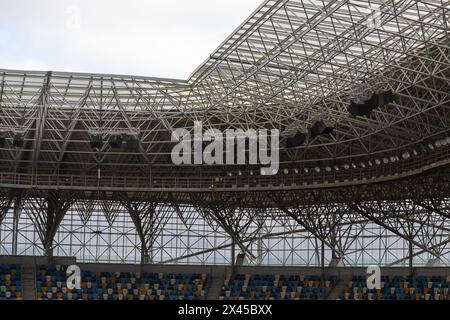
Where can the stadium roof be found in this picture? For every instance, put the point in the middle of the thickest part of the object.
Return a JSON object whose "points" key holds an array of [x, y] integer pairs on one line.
{"points": [[288, 65]]}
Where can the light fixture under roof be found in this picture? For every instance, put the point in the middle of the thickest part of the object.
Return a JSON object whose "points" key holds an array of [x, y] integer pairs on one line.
{"points": [[286, 171], [430, 146], [377, 162], [306, 170], [296, 170], [336, 168], [317, 169], [346, 166], [392, 158], [385, 160], [328, 169], [405, 155]]}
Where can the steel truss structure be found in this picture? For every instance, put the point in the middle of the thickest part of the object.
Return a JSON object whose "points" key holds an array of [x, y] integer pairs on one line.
{"points": [[374, 191]]}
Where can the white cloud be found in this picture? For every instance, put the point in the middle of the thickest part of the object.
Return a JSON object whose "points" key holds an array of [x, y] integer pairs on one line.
{"points": [[165, 38], [26, 64]]}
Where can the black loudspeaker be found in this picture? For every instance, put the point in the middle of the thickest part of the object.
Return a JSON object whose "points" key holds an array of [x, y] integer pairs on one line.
{"points": [[359, 109], [96, 141], [2, 140], [296, 141], [115, 141], [386, 97], [375, 101], [132, 144], [320, 128], [18, 140]]}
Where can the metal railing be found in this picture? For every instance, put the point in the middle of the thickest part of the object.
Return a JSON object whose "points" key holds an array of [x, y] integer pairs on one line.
{"points": [[411, 166]]}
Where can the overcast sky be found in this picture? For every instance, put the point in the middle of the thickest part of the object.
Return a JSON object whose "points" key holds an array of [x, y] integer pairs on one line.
{"points": [[160, 38]]}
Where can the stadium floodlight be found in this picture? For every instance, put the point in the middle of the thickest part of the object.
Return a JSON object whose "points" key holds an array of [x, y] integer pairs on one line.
{"points": [[353, 166], [385, 160], [443, 142], [362, 164], [393, 159], [239, 173], [346, 166], [317, 169], [328, 169], [430, 146], [295, 170], [405, 155], [96, 141], [306, 170], [18, 140], [377, 162], [414, 152], [285, 171], [230, 174], [370, 163], [336, 168], [251, 172]]}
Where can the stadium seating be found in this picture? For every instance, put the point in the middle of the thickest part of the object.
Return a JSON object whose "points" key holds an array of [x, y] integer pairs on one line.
{"points": [[276, 287], [51, 285], [10, 282], [398, 288]]}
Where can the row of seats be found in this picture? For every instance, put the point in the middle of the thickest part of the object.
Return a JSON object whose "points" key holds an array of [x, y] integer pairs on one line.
{"points": [[10, 282], [51, 285], [398, 288], [277, 287]]}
